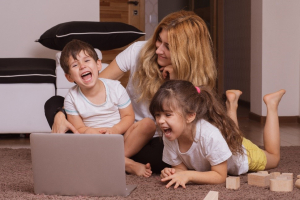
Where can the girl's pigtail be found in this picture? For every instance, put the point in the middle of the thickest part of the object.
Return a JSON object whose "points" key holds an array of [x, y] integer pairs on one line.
{"points": [[212, 110]]}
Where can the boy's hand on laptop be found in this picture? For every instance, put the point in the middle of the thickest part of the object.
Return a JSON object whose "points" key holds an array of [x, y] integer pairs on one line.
{"points": [[108, 130], [91, 131]]}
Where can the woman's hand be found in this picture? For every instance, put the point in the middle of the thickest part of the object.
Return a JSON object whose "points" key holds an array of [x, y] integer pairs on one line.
{"points": [[168, 72], [62, 125], [179, 178]]}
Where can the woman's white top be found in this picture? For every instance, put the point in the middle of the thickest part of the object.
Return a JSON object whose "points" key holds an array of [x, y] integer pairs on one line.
{"points": [[127, 60]]}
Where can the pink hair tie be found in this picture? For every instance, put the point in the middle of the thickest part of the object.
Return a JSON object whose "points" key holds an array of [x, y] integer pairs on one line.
{"points": [[198, 89]]}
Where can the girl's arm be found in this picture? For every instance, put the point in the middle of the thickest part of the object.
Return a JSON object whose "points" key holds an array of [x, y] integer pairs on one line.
{"points": [[217, 175], [112, 71], [127, 119]]}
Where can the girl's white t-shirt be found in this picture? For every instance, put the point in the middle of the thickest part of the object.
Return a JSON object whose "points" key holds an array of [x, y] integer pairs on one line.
{"points": [[208, 149], [97, 116]]}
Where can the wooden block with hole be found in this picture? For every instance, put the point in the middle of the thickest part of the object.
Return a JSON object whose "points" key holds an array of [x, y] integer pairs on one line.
{"points": [[281, 184], [233, 182], [212, 195], [259, 179]]}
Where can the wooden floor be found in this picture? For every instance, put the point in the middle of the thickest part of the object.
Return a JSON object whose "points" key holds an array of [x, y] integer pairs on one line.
{"points": [[289, 133]]}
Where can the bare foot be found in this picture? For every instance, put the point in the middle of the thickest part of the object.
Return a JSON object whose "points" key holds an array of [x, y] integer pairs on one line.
{"points": [[272, 100], [136, 168], [232, 98]]}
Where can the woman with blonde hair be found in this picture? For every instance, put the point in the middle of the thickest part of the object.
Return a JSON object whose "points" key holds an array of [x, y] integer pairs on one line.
{"points": [[180, 48]]}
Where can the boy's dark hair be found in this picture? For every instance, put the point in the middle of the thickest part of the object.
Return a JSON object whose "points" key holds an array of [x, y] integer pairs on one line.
{"points": [[73, 48]]}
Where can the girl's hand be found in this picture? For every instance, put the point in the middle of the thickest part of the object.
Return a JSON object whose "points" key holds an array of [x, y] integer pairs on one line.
{"points": [[62, 125], [167, 172], [168, 72], [179, 178]]}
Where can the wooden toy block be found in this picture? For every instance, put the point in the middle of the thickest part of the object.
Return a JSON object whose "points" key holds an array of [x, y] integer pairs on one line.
{"points": [[233, 182], [298, 176], [263, 172], [297, 183], [274, 175], [281, 177], [288, 175], [212, 195], [281, 184], [259, 179]]}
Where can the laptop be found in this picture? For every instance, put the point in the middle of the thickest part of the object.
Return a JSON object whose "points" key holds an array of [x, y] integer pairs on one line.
{"points": [[79, 164]]}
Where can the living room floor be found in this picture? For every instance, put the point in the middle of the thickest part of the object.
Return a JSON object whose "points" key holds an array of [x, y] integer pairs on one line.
{"points": [[290, 133]]}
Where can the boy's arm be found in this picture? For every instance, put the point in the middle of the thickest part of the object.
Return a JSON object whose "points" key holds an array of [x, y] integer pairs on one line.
{"points": [[77, 122], [217, 175], [127, 119]]}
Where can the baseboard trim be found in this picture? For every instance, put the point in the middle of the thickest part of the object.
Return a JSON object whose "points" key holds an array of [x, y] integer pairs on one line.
{"points": [[282, 119]]}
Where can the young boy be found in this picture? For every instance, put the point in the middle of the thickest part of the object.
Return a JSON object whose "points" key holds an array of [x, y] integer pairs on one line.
{"points": [[96, 105]]}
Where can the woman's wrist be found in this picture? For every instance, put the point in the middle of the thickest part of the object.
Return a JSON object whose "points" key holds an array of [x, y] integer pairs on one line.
{"points": [[61, 110]]}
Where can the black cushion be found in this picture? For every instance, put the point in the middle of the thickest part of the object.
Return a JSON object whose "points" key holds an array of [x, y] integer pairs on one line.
{"points": [[101, 35], [27, 70]]}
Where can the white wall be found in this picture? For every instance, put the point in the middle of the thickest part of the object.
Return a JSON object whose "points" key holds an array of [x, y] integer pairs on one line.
{"points": [[22, 22], [275, 53]]}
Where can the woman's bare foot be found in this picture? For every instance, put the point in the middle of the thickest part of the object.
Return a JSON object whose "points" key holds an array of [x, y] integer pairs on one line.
{"points": [[232, 104], [232, 99], [272, 100], [136, 168]]}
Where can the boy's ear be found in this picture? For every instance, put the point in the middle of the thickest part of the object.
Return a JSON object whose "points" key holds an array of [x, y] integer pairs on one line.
{"points": [[190, 118], [69, 78], [99, 64]]}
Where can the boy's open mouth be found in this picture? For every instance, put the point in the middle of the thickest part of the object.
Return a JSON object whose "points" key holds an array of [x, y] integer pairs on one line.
{"points": [[86, 76]]}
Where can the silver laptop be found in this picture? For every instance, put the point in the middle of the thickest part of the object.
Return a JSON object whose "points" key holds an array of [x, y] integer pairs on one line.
{"points": [[79, 164]]}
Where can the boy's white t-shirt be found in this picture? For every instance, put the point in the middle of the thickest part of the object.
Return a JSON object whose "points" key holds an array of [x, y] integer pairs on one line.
{"points": [[209, 149], [127, 60], [96, 116]]}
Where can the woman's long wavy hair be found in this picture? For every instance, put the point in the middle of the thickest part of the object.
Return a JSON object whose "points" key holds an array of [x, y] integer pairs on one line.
{"points": [[190, 50], [182, 97]]}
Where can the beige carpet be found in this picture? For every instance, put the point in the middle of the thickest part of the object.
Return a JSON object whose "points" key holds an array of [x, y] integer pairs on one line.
{"points": [[16, 182]]}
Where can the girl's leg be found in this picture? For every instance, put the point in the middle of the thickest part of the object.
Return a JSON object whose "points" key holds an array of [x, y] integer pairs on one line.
{"points": [[271, 130], [135, 138], [232, 104]]}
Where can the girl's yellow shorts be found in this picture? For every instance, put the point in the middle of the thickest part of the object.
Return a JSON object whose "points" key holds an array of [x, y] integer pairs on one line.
{"points": [[257, 158]]}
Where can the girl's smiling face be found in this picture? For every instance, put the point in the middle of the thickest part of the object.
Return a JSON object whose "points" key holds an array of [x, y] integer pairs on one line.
{"points": [[172, 124]]}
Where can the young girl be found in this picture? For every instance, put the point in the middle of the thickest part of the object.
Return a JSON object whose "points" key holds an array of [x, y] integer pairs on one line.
{"points": [[201, 143]]}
